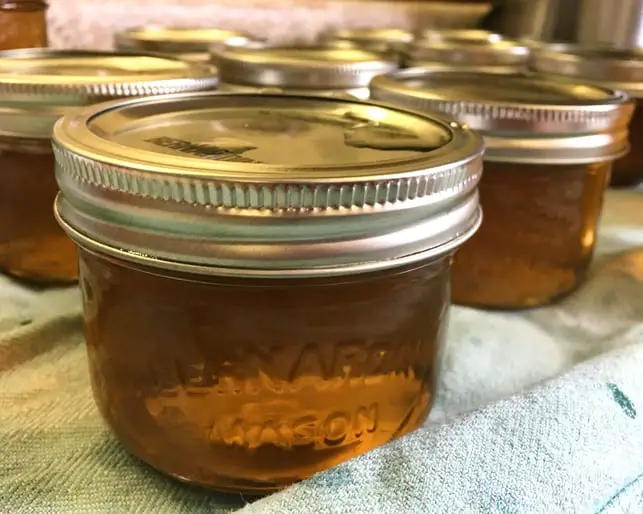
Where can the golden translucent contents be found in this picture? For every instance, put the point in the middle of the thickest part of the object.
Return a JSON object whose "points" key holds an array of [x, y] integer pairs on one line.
{"points": [[628, 171], [537, 237], [247, 385], [23, 24], [32, 244]]}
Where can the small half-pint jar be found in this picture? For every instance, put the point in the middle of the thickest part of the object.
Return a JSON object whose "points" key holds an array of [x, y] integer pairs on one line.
{"points": [[613, 68], [499, 54], [549, 149], [265, 276], [189, 43], [323, 69], [36, 88]]}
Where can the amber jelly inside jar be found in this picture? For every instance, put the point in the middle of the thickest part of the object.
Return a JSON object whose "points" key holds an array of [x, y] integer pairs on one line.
{"points": [[266, 278], [550, 145], [612, 68], [322, 69], [189, 43], [36, 88]]}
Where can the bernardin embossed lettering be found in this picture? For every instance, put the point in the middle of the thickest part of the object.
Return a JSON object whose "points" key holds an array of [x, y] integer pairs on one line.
{"points": [[278, 370], [309, 428], [363, 132], [205, 150]]}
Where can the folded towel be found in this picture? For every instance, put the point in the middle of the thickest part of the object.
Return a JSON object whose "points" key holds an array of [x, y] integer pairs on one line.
{"points": [[538, 412]]}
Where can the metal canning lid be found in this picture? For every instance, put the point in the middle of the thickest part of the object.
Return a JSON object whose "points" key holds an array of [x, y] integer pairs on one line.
{"points": [[460, 35], [467, 52], [290, 67], [37, 86], [618, 69], [182, 40], [378, 39], [271, 185], [523, 117]]}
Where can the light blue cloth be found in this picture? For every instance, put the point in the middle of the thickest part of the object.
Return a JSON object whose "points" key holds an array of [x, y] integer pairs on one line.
{"points": [[538, 412]]}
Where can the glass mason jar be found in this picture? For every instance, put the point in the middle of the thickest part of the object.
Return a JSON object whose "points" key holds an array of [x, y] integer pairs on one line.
{"points": [[466, 48], [618, 69], [190, 43], [256, 315], [296, 69], [550, 145], [23, 24], [36, 88]]}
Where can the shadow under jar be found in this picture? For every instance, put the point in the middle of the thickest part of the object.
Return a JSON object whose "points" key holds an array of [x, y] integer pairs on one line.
{"points": [[323, 69], [189, 43], [36, 88], [613, 68], [549, 148], [266, 281]]}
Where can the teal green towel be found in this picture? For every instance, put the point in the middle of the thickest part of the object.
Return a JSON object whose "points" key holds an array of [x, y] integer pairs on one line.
{"points": [[538, 412]]}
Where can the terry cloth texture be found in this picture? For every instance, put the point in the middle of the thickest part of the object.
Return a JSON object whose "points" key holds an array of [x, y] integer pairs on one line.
{"points": [[538, 412]]}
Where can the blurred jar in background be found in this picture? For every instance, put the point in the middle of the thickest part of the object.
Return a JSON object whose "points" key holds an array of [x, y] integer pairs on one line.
{"points": [[23, 24], [459, 35], [37, 86], [549, 148], [480, 49], [186, 42], [392, 40], [618, 69], [301, 69]]}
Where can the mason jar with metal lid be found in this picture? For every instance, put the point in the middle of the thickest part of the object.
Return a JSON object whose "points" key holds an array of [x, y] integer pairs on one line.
{"points": [[190, 43], [265, 276], [374, 39], [36, 88], [618, 69], [503, 55], [23, 24], [550, 144], [311, 69]]}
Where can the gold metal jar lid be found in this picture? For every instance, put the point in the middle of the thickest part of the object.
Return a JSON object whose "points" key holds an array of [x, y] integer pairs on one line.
{"points": [[459, 35], [38, 86], [523, 117], [618, 69], [471, 52], [174, 40], [292, 67], [266, 184], [376, 39]]}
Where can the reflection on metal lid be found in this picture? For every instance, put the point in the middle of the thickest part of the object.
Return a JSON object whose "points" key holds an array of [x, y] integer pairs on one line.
{"points": [[516, 105], [326, 137], [620, 69], [35, 84], [314, 67], [468, 52], [285, 184], [460, 35], [173, 39]]}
